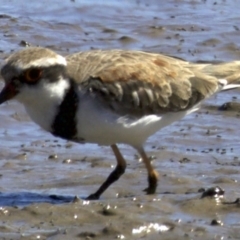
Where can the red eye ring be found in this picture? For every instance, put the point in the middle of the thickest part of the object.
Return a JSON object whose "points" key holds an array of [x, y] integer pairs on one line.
{"points": [[32, 75]]}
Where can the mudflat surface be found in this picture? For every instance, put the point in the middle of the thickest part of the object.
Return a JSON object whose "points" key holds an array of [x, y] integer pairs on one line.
{"points": [[41, 175]]}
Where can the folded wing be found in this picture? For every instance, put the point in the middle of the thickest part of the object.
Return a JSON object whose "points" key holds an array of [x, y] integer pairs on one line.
{"points": [[138, 82]]}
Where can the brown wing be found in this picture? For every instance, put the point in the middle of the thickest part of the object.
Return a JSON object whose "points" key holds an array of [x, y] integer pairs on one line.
{"points": [[140, 82]]}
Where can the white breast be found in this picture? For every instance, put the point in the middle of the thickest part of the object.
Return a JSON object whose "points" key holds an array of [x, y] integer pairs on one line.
{"points": [[98, 124]]}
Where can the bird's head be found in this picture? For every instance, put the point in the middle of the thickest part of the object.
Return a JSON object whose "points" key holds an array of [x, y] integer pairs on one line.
{"points": [[32, 71]]}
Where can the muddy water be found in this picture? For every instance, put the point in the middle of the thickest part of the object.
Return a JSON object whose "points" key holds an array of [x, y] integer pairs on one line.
{"points": [[40, 175]]}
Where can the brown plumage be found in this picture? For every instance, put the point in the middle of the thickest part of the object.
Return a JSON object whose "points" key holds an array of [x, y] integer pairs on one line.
{"points": [[147, 82], [112, 96]]}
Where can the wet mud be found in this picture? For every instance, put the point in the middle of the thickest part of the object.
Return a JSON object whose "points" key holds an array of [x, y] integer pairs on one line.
{"points": [[43, 180]]}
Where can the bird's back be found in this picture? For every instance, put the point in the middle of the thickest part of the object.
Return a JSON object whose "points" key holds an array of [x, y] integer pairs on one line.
{"points": [[143, 82]]}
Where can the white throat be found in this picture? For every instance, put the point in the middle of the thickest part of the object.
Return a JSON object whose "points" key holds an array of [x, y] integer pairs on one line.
{"points": [[42, 101]]}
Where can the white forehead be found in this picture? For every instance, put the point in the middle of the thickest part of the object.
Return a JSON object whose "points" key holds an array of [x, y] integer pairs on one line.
{"points": [[41, 62]]}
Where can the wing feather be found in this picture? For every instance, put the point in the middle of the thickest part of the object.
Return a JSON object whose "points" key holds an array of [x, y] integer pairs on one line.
{"points": [[140, 82]]}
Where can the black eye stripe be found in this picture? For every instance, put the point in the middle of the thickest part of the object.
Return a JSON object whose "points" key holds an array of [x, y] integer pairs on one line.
{"points": [[50, 74]]}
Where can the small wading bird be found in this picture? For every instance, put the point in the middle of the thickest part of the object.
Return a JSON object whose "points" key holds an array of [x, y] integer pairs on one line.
{"points": [[112, 96]]}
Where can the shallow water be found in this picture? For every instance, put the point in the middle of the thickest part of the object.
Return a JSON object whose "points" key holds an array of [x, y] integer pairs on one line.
{"points": [[40, 175]]}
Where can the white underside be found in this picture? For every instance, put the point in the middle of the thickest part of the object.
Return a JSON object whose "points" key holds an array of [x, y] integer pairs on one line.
{"points": [[98, 124]]}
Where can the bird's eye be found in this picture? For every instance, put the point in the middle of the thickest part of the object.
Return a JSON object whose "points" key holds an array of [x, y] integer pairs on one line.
{"points": [[32, 75]]}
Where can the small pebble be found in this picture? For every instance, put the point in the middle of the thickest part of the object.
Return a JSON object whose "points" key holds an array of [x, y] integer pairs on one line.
{"points": [[213, 192], [67, 161], [53, 156], [216, 222]]}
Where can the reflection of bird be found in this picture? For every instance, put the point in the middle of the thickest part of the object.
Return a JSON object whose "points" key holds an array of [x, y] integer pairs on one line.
{"points": [[109, 97]]}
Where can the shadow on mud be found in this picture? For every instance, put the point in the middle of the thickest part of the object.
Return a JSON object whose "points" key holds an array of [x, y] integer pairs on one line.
{"points": [[27, 198]]}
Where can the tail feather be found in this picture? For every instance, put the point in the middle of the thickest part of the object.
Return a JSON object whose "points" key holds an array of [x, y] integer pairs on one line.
{"points": [[222, 70], [227, 70], [234, 78], [227, 73]]}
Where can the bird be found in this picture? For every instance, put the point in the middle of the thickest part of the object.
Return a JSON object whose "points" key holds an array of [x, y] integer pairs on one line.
{"points": [[111, 97]]}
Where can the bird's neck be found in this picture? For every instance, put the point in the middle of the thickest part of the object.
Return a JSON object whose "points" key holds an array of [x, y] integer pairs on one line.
{"points": [[52, 106]]}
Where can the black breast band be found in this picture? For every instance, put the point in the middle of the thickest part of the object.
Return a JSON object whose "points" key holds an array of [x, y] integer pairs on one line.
{"points": [[64, 124]]}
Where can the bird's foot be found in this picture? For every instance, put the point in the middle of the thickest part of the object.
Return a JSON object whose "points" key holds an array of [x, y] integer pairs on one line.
{"points": [[93, 196], [150, 190], [152, 183]]}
